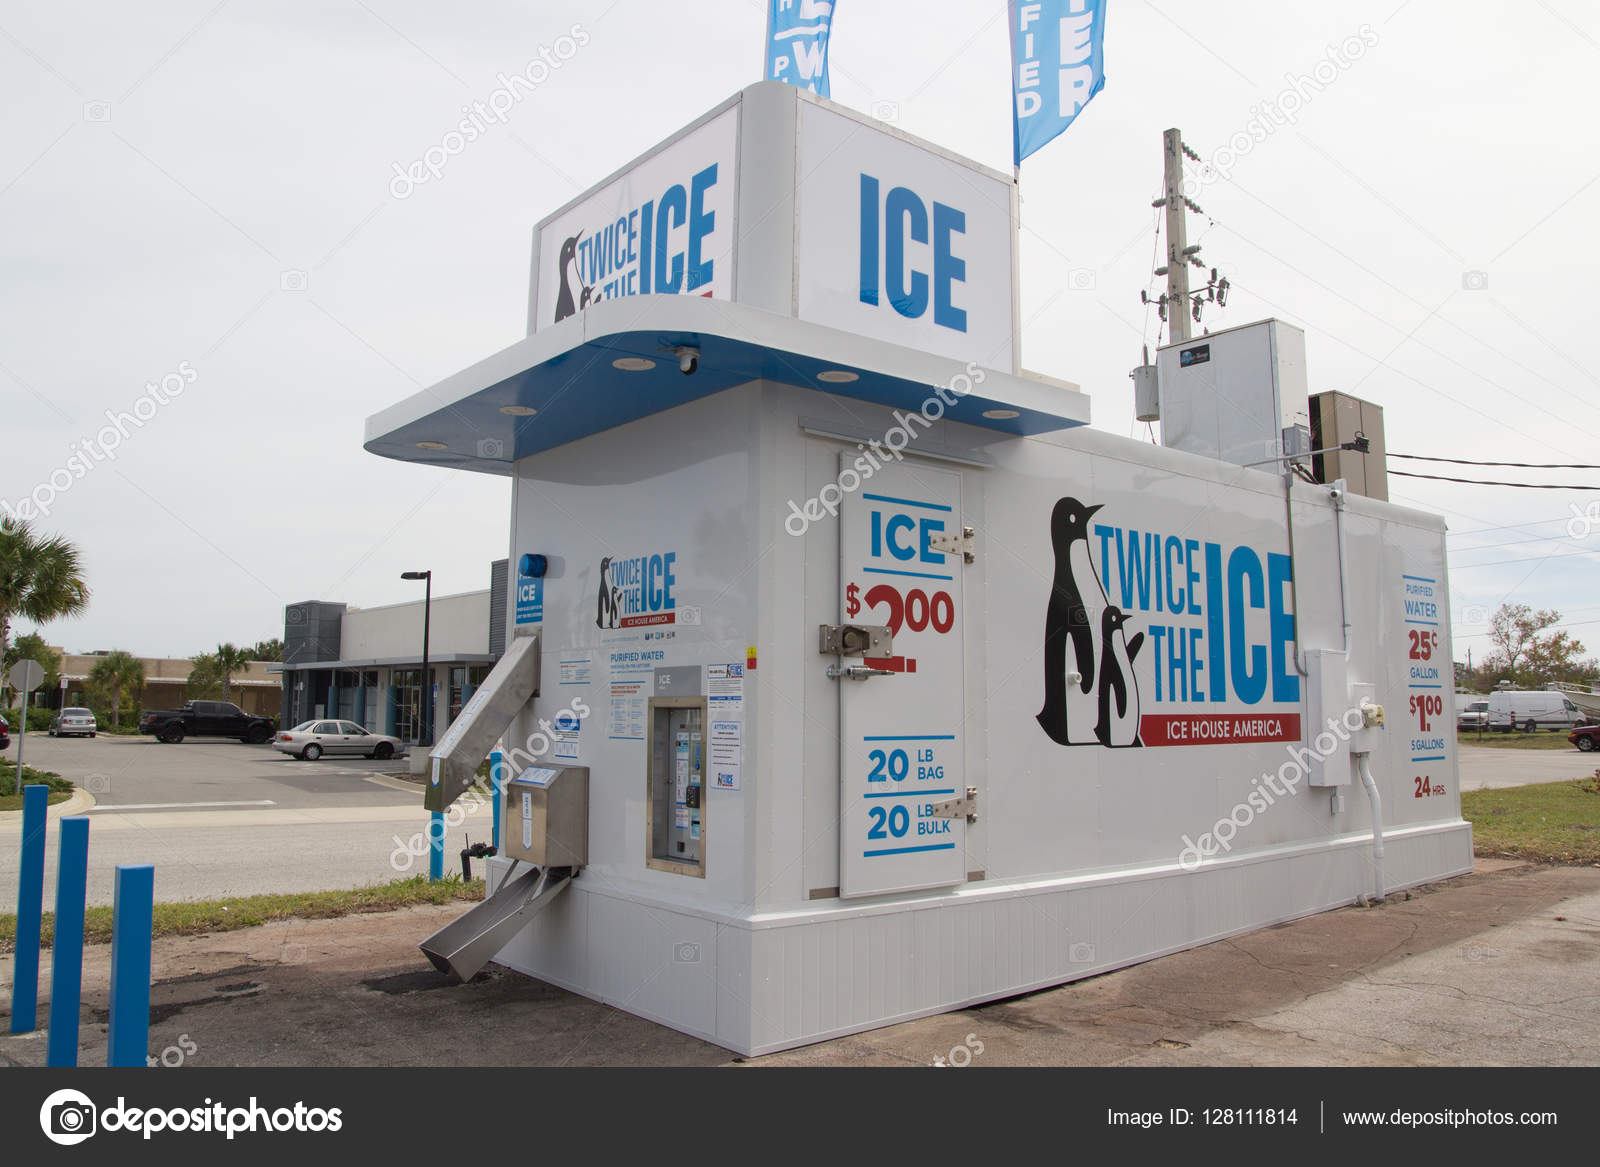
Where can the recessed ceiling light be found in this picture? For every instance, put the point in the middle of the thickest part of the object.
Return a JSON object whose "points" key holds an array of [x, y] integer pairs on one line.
{"points": [[432, 446], [518, 410], [838, 376], [633, 364], [1000, 414]]}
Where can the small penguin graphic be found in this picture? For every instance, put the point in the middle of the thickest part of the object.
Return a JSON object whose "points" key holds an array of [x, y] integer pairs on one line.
{"points": [[567, 264], [1118, 688], [606, 610], [1077, 599]]}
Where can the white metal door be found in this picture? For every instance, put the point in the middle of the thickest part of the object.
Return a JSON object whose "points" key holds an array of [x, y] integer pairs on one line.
{"points": [[902, 741]]}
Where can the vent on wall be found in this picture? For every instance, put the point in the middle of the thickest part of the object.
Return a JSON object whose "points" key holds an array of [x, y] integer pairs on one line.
{"points": [[311, 631], [499, 573]]}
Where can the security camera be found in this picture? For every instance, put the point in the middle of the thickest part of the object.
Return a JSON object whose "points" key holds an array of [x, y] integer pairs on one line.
{"points": [[688, 359]]}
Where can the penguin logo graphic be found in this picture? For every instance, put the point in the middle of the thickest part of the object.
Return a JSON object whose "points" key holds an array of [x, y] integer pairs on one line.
{"points": [[566, 303], [1072, 620], [605, 615], [1118, 725]]}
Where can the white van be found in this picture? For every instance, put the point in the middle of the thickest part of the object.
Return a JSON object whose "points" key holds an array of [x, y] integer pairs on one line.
{"points": [[1531, 709]]}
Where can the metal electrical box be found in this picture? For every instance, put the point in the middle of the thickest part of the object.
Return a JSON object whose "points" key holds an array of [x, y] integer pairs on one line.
{"points": [[1231, 394], [547, 816], [1337, 418], [1327, 699]]}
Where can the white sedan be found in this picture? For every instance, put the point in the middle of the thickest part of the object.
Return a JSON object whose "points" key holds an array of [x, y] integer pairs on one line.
{"points": [[311, 739]]}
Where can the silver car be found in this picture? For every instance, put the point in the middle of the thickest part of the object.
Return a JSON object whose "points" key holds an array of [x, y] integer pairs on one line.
{"points": [[73, 722], [311, 739]]}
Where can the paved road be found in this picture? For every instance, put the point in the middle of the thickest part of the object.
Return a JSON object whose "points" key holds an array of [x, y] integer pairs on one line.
{"points": [[221, 819], [140, 771], [1486, 768]]}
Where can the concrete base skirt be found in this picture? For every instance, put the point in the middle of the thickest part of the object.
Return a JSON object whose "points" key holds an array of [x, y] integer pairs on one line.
{"points": [[758, 982]]}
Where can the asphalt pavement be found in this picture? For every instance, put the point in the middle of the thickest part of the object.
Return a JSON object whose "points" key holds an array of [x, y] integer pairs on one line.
{"points": [[1486, 768], [218, 818]]}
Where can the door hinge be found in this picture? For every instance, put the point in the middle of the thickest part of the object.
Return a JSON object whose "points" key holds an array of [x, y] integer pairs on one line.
{"points": [[855, 640], [952, 543], [956, 808]]}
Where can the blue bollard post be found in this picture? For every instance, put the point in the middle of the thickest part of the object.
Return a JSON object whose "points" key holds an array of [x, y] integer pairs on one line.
{"points": [[66, 966], [30, 908], [497, 763], [129, 1038], [435, 847]]}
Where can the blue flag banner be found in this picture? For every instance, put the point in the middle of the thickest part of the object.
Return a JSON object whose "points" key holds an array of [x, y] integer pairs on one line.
{"points": [[1057, 65], [797, 43]]}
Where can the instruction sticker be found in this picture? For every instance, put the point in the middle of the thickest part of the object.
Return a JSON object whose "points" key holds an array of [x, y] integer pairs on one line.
{"points": [[727, 753], [566, 736]]}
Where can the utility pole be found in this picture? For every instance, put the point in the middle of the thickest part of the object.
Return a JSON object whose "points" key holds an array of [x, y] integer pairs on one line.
{"points": [[1179, 305], [1177, 236]]}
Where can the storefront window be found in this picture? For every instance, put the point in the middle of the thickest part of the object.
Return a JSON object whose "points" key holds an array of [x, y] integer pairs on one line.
{"points": [[408, 711], [350, 684], [469, 674]]}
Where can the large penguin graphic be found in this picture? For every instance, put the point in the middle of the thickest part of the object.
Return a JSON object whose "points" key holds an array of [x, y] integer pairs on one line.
{"points": [[1118, 724], [605, 615], [1071, 712], [567, 265]]}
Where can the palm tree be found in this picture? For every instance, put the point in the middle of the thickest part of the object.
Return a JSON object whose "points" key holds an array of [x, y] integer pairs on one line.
{"points": [[40, 578], [114, 673], [267, 649], [230, 660]]}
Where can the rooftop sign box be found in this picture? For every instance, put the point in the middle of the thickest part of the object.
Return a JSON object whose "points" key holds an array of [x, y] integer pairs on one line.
{"points": [[787, 202]]}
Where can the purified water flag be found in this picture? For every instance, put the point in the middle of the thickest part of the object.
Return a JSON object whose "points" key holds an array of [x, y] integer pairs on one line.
{"points": [[1057, 65], [797, 43]]}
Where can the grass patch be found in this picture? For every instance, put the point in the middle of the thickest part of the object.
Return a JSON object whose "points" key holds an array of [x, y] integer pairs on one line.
{"points": [[192, 919], [1552, 822], [60, 788], [1539, 739]]}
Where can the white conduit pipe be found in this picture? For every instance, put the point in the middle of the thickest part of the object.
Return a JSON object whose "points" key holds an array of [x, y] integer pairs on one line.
{"points": [[1377, 824]]}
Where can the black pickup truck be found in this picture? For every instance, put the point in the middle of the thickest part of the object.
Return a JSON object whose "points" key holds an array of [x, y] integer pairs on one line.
{"points": [[206, 719]]}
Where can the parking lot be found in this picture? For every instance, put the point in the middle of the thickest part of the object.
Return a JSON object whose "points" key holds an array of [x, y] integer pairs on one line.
{"points": [[1487, 768], [218, 818]]}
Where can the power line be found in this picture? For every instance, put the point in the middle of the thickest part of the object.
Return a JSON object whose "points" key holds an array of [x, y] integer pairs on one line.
{"points": [[1517, 465], [1485, 482], [1544, 559]]}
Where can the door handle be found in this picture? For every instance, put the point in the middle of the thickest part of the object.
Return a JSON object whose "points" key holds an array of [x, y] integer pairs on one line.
{"points": [[856, 672]]}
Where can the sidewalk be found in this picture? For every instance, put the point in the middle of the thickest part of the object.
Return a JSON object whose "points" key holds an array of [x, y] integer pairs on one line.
{"points": [[1499, 967]]}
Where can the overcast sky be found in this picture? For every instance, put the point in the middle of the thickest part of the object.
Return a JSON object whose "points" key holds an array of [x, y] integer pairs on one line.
{"points": [[202, 191]]}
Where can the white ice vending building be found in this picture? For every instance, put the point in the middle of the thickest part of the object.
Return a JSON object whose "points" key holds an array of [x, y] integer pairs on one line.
{"points": [[853, 677]]}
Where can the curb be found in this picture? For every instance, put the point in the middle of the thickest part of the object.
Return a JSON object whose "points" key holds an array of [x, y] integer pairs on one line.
{"points": [[80, 801], [395, 783]]}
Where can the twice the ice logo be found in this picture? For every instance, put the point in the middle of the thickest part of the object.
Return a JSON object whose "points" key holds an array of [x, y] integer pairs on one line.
{"points": [[637, 590], [658, 247], [1217, 631], [69, 1117], [899, 232]]}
